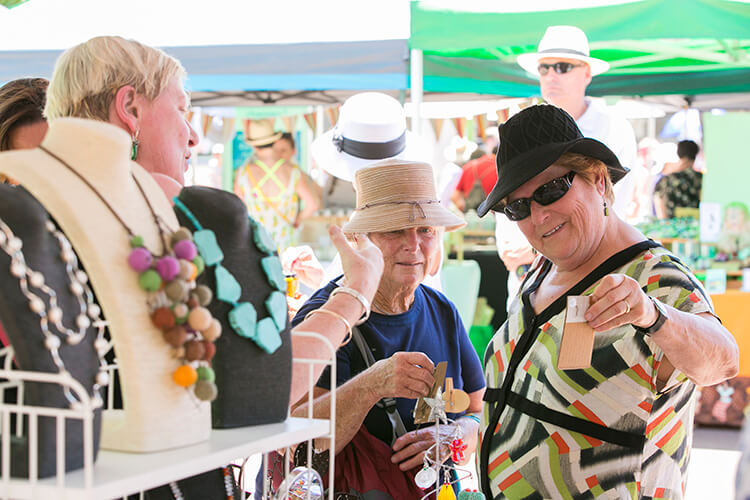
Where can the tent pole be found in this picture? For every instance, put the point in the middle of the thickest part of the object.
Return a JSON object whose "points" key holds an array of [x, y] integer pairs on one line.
{"points": [[417, 89]]}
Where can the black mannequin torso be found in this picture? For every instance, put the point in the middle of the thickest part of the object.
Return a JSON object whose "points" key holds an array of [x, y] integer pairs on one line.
{"points": [[253, 385], [27, 219]]}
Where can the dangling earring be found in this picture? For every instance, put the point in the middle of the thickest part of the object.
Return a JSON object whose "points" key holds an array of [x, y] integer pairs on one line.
{"points": [[606, 210], [134, 145]]}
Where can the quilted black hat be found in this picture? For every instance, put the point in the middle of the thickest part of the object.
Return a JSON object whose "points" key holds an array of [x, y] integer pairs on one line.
{"points": [[534, 139]]}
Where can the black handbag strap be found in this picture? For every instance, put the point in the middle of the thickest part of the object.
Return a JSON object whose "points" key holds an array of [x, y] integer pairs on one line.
{"points": [[388, 404]]}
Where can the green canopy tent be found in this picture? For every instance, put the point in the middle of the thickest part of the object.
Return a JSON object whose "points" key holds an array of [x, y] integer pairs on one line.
{"points": [[654, 47]]}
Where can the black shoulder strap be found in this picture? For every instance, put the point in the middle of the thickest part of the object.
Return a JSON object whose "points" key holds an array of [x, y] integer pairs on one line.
{"points": [[388, 404]]}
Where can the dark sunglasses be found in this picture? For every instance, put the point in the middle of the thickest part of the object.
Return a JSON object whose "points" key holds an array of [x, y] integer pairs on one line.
{"points": [[560, 67], [545, 194]]}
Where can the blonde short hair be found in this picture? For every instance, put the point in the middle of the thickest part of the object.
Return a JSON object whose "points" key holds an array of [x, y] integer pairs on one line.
{"points": [[87, 76]]}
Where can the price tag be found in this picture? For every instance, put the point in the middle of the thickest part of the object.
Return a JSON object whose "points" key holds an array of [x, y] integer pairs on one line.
{"points": [[577, 342]]}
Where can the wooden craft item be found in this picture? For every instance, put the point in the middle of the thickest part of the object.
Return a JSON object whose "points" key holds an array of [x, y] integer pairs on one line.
{"points": [[456, 400], [422, 409], [577, 343]]}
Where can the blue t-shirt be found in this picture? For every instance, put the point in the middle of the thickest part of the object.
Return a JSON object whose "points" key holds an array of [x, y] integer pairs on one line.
{"points": [[431, 326]]}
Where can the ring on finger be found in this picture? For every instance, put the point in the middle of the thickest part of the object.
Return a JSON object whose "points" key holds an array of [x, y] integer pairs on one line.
{"points": [[627, 307]]}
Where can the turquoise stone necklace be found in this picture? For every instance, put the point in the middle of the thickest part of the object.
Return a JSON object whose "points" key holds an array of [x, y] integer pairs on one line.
{"points": [[243, 317]]}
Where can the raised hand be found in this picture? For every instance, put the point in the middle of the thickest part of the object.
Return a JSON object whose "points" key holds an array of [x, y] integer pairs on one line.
{"points": [[361, 259]]}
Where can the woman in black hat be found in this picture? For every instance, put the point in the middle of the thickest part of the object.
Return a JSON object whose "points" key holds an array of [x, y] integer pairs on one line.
{"points": [[621, 425]]}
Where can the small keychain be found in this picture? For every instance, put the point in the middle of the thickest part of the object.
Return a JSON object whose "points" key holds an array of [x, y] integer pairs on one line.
{"points": [[458, 447]]}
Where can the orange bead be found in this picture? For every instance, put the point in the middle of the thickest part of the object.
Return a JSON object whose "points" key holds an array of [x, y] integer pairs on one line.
{"points": [[193, 272], [199, 318], [185, 376]]}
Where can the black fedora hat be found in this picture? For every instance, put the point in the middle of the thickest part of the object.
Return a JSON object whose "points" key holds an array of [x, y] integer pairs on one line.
{"points": [[534, 139]]}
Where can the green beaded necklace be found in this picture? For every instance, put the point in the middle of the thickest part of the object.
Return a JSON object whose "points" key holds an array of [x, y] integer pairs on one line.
{"points": [[243, 317]]}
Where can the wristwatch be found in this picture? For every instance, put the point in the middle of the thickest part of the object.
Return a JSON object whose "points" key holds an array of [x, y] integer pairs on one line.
{"points": [[662, 316]]}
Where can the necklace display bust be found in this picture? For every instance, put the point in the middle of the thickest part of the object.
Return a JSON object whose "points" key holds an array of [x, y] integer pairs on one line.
{"points": [[156, 414]]}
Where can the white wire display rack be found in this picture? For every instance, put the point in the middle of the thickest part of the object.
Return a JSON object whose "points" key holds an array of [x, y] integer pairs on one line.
{"points": [[118, 474]]}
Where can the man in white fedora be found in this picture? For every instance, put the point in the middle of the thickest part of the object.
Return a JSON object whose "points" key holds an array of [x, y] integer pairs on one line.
{"points": [[564, 68]]}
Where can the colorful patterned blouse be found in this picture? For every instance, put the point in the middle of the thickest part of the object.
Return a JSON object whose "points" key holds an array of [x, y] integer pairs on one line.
{"points": [[276, 213], [615, 400]]}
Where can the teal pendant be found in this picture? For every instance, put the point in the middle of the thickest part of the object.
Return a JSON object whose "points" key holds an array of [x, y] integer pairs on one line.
{"points": [[276, 305], [243, 320], [272, 267], [262, 239], [227, 288], [267, 335], [209, 249]]}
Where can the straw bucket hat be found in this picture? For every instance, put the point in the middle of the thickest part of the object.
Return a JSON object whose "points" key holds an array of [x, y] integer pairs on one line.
{"points": [[566, 42], [262, 133], [397, 194], [371, 127]]}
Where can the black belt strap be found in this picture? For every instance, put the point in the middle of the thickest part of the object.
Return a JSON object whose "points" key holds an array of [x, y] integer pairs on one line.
{"points": [[626, 439]]}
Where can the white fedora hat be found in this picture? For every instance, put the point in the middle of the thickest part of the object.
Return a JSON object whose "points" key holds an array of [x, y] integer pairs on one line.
{"points": [[371, 127], [567, 42]]}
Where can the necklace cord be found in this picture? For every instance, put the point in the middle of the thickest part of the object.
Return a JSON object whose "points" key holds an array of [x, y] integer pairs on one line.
{"points": [[108, 205]]}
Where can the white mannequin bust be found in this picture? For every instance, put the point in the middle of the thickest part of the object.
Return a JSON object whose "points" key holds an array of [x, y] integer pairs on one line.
{"points": [[157, 414]]}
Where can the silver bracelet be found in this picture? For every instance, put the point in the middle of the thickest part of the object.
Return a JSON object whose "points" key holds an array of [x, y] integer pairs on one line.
{"points": [[357, 295]]}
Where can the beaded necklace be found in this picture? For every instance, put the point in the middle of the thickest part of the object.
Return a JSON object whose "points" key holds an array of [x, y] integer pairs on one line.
{"points": [[30, 280], [177, 306], [243, 317]]}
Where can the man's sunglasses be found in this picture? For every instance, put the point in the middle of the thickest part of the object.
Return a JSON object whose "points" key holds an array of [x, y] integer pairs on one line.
{"points": [[545, 194], [560, 67]]}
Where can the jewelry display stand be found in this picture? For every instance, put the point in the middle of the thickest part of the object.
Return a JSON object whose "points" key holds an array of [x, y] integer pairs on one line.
{"points": [[118, 474], [157, 414], [253, 385], [40, 255]]}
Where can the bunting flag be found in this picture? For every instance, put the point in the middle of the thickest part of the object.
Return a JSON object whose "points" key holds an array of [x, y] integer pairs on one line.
{"points": [[205, 123], [502, 115], [227, 129], [481, 121], [333, 114], [437, 126], [287, 121], [189, 115], [460, 124], [246, 127], [12, 3], [311, 118]]}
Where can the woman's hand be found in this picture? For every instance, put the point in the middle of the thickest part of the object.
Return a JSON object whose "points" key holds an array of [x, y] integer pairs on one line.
{"points": [[362, 261], [619, 300], [403, 375]]}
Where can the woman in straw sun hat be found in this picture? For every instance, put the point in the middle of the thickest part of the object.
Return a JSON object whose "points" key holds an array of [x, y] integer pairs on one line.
{"points": [[411, 328], [617, 423]]}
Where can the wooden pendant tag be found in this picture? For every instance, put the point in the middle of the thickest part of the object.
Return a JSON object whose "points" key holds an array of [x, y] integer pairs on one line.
{"points": [[577, 342]]}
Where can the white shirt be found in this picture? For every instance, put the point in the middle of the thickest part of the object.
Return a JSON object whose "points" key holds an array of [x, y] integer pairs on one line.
{"points": [[604, 125]]}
